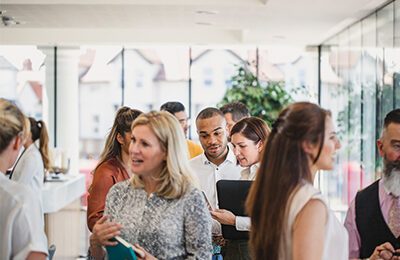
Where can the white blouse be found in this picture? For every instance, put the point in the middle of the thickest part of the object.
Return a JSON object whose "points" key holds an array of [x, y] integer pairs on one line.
{"points": [[21, 221], [248, 174], [29, 170], [336, 237]]}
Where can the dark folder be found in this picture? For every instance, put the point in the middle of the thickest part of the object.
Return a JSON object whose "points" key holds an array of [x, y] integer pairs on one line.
{"points": [[232, 196]]}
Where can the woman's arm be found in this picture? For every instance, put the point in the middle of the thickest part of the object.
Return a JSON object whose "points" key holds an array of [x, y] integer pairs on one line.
{"points": [[102, 232], [309, 231], [102, 182], [197, 228], [226, 217], [36, 256]]}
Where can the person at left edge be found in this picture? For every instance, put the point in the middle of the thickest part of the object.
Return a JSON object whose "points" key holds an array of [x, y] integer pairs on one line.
{"points": [[21, 219]]}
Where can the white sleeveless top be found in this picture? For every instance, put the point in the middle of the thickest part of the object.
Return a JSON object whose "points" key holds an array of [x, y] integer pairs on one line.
{"points": [[336, 238]]}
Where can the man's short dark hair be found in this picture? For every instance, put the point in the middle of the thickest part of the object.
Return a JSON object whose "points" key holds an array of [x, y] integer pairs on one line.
{"points": [[172, 107], [237, 109], [392, 117], [209, 112]]}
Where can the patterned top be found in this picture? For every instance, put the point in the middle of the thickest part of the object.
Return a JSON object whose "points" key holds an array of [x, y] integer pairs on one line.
{"points": [[166, 228]]}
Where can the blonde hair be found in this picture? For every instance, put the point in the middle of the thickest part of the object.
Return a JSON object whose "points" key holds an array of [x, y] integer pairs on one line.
{"points": [[12, 123], [176, 176]]}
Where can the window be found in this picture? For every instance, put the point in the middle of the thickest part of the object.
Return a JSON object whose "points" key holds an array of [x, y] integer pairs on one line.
{"points": [[208, 77], [139, 78], [99, 98], [359, 84], [22, 77], [156, 75]]}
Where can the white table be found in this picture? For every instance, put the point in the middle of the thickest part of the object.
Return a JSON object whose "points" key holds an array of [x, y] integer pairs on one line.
{"points": [[57, 195], [62, 208]]}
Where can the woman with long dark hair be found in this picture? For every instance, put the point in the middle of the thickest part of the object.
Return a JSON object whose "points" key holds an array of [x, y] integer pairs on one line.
{"points": [[114, 164], [289, 217], [32, 164]]}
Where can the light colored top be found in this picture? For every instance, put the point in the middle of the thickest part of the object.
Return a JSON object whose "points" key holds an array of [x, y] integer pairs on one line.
{"points": [[194, 148], [336, 238], [247, 174], [29, 169], [208, 174], [106, 175], [386, 201], [166, 228], [21, 221]]}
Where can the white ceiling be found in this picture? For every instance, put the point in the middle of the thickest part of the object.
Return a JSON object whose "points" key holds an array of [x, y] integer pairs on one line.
{"points": [[135, 22]]}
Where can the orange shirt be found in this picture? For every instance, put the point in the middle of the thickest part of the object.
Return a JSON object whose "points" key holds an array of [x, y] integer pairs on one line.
{"points": [[194, 148], [107, 174]]}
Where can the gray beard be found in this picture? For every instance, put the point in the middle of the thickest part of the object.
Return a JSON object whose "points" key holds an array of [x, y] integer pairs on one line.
{"points": [[391, 177]]}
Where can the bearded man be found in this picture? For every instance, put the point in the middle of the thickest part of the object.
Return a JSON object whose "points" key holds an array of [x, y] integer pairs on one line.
{"points": [[373, 219]]}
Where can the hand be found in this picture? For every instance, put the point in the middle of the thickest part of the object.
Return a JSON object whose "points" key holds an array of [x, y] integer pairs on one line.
{"points": [[103, 231], [147, 255], [224, 216], [385, 252]]}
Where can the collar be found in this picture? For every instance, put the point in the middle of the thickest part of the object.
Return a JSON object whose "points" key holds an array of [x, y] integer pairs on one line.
{"points": [[254, 167], [229, 157]]}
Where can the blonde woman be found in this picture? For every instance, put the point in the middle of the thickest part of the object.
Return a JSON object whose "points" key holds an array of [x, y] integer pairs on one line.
{"points": [[159, 209], [21, 220]]}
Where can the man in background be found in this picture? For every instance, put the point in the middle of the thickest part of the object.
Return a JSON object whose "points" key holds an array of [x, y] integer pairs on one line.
{"points": [[373, 218], [178, 110], [233, 112]]}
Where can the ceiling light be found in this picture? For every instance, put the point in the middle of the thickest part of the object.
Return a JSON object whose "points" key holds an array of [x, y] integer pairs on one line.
{"points": [[8, 21], [206, 12], [204, 23]]}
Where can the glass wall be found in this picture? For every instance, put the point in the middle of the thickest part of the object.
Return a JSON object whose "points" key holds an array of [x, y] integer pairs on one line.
{"points": [[100, 96], [359, 84], [146, 77]]}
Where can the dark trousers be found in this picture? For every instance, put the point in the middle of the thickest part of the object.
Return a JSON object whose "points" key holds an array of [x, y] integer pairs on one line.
{"points": [[236, 250]]}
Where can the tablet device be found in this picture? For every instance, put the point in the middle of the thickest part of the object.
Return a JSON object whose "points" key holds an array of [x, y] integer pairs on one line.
{"points": [[232, 195]]}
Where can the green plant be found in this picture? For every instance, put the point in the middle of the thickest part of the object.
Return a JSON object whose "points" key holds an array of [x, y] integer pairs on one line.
{"points": [[264, 100]]}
